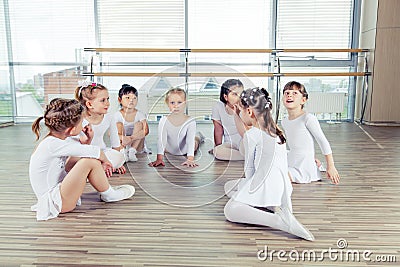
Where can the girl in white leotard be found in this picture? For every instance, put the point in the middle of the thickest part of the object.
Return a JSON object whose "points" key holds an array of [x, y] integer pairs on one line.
{"points": [[266, 185], [131, 123], [300, 128], [95, 98], [177, 131], [227, 132]]}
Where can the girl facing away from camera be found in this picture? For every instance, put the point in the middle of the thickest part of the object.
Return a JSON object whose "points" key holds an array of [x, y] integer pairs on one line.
{"points": [[131, 123], [263, 197], [95, 98], [227, 132], [177, 131], [60, 164], [301, 128]]}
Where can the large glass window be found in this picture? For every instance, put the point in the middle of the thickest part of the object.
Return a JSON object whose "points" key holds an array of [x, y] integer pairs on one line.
{"points": [[47, 38]]}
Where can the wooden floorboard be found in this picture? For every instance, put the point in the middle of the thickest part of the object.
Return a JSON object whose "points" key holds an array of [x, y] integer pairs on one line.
{"points": [[176, 216]]}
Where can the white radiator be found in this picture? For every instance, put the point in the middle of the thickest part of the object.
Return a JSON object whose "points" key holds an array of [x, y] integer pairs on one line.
{"points": [[325, 102]]}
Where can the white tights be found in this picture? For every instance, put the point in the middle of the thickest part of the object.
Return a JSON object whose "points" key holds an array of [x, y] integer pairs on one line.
{"points": [[238, 212]]}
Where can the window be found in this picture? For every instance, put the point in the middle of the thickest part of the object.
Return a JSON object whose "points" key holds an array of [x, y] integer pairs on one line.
{"points": [[315, 24]]}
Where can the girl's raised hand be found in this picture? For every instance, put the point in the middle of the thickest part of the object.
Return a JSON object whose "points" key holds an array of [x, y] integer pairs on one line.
{"points": [[236, 109], [88, 135]]}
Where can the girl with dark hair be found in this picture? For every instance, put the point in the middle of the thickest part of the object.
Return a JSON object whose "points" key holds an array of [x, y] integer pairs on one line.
{"points": [[227, 136], [302, 128], [131, 123]]}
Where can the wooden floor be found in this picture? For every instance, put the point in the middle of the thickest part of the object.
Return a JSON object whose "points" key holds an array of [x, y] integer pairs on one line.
{"points": [[176, 216]]}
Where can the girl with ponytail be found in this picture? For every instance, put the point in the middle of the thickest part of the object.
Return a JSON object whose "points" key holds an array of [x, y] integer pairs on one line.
{"points": [[263, 197]]}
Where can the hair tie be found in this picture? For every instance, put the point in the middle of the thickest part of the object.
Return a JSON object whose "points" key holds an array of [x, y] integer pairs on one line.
{"points": [[83, 84]]}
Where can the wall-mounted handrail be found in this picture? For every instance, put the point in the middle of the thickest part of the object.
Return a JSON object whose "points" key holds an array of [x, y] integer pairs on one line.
{"points": [[226, 74], [228, 50]]}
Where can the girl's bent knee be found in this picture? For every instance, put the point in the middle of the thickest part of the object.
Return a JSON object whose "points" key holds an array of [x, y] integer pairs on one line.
{"points": [[90, 162]]}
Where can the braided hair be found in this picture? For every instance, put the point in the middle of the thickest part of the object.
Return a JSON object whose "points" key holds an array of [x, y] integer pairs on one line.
{"points": [[258, 99], [59, 115]]}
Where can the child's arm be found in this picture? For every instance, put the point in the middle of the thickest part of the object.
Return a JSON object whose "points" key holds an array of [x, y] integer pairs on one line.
{"points": [[190, 141], [107, 166], [161, 144], [87, 136], [139, 132], [331, 171], [218, 132], [114, 137], [240, 125], [314, 127], [249, 157]]}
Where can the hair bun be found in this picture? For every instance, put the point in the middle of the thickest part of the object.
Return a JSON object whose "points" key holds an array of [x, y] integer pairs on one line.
{"points": [[125, 85]]}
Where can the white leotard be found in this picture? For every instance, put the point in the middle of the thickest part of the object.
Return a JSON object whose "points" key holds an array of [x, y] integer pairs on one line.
{"points": [[231, 134], [301, 155], [47, 170], [129, 125], [177, 140], [100, 130], [266, 181]]}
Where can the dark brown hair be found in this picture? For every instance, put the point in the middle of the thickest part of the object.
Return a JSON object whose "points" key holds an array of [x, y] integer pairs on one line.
{"points": [[293, 85]]}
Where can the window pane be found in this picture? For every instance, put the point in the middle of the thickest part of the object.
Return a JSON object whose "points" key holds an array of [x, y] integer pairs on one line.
{"points": [[314, 24], [50, 31], [328, 95], [159, 23], [229, 24], [5, 89]]}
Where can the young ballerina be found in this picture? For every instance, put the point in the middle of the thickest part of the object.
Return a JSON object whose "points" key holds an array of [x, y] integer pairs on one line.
{"points": [[58, 153], [94, 97], [263, 197], [227, 133], [131, 123], [177, 131], [300, 128]]}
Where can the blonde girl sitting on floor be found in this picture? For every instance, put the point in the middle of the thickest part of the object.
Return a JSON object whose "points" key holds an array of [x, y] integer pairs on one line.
{"points": [[177, 131]]}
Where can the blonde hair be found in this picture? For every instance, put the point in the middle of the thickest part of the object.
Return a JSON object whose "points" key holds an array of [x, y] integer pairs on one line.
{"points": [[59, 115], [89, 92], [175, 90]]}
